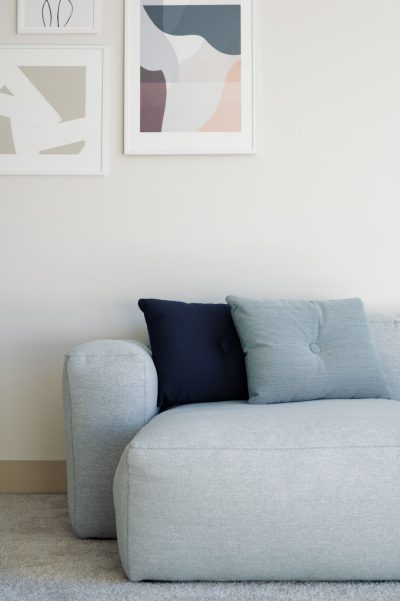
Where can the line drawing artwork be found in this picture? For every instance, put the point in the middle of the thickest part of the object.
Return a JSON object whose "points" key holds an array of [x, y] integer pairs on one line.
{"points": [[63, 13]]}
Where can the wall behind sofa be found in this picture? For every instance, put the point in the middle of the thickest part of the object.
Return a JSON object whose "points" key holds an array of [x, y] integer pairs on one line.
{"points": [[315, 213]]}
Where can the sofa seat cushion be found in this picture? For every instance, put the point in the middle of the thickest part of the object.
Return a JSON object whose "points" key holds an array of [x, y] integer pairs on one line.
{"points": [[231, 491], [238, 425]]}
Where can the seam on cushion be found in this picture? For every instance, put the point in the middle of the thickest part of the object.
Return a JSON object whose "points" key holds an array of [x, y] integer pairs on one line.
{"points": [[144, 390], [72, 355], [128, 561], [136, 448], [382, 321], [72, 439], [149, 414]]}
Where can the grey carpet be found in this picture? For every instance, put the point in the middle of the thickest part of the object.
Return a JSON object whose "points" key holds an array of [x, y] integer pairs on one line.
{"points": [[41, 560]]}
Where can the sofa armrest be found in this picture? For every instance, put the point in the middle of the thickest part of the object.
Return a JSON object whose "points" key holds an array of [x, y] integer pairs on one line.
{"points": [[110, 392]]}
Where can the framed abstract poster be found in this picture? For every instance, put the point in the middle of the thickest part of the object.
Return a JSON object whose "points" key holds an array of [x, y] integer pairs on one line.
{"points": [[58, 16], [52, 109], [189, 77]]}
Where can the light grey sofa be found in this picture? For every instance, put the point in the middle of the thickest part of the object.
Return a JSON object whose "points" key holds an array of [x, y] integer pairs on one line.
{"points": [[232, 491]]}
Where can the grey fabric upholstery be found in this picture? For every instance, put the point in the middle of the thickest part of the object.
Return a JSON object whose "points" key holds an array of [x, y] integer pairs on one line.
{"points": [[110, 392], [232, 491]]}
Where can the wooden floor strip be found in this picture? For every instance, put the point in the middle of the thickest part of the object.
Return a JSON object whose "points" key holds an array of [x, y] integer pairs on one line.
{"points": [[33, 477]]}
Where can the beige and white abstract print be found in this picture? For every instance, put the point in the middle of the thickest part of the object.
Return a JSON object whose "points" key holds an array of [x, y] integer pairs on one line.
{"points": [[51, 117]]}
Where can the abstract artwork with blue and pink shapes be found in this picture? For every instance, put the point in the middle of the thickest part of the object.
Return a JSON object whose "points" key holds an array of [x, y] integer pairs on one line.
{"points": [[190, 68]]}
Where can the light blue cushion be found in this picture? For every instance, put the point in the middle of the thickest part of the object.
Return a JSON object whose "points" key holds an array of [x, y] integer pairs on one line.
{"points": [[306, 350]]}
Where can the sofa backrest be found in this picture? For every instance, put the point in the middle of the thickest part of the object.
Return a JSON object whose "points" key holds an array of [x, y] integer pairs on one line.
{"points": [[385, 332]]}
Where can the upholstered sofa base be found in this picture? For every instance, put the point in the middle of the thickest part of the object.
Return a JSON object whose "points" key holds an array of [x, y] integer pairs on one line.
{"points": [[229, 491]]}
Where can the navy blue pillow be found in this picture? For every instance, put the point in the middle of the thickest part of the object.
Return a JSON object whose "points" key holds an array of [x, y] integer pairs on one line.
{"points": [[196, 351]]}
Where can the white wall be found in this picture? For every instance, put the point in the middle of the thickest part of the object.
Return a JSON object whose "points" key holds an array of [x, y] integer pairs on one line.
{"points": [[315, 213]]}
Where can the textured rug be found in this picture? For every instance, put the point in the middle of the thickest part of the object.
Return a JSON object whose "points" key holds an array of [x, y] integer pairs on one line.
{"points": [[41, 560]]}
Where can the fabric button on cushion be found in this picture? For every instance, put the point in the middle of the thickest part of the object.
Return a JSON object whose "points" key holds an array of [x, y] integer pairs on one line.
{"points": [[280, 341], [226, 346]]}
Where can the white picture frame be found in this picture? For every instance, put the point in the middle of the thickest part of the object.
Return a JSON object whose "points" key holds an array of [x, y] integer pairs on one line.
{"points": [[138, 140], [58, 17], [52, 105]]}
